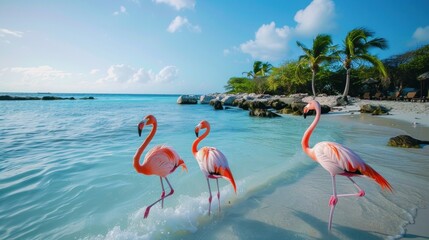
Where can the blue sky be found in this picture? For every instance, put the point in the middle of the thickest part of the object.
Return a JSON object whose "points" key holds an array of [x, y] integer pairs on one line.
{"points": [[179, 46]]}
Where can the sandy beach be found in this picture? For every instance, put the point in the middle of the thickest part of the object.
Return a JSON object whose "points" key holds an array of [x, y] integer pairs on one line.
{"points": [[411, 117]]}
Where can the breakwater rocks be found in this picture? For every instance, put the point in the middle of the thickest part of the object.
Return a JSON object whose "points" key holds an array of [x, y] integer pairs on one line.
{"points": [[17, 98], [258, 105], [187, 99], [405, 141]]}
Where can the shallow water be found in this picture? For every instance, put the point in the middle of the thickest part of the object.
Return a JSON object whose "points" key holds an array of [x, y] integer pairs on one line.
{"points": [[66, 173]]}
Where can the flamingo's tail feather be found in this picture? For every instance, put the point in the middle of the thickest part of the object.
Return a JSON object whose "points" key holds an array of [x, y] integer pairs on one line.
{"points": [[183, 165], [227, 174], [370, 172]]}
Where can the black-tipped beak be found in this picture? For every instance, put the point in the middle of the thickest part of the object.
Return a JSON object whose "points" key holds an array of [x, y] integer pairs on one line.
{"points": [[196, 133], [140, 131], [305, 115]]}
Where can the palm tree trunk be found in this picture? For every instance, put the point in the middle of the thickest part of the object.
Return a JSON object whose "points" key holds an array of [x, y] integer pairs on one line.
{"points": [[346, 89], [312, 83]]}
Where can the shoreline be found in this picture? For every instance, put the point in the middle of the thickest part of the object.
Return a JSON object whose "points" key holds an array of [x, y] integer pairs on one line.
{"points": [[413, 118], [410, 117]]}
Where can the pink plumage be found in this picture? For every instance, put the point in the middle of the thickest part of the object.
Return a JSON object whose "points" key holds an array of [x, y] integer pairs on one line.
{"points": [[338, 160], [212, 162]]}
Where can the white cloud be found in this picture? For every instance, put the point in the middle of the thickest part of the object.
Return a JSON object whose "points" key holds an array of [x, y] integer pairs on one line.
{"points": [[180, 22], [315, 18], [421, 35], [94, 71], [178, 4], [122, 10], [6, 32], [122, 73], [40, 73], [167, 74], [270, 42]]}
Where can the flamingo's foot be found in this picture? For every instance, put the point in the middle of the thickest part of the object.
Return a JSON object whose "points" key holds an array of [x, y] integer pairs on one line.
{"points": [[361, 193], [333, 200], [146, 213]]}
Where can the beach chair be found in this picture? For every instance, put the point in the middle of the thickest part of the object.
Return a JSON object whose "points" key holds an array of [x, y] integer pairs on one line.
{"points": [[378, 96], [410, 96], [395, 96], [366, 96]]}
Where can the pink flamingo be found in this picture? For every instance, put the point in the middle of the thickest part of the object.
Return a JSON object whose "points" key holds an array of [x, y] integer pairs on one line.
{"points": [[212, 162], [338, 160], [161, 160]]}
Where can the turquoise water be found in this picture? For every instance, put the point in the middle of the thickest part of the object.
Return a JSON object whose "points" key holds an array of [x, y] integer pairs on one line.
{"points": [[66, 168]]}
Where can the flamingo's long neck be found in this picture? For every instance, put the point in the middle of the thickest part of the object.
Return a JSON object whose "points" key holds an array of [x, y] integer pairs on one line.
{"points": [[139, 168], [198, 140], [307, 134]]}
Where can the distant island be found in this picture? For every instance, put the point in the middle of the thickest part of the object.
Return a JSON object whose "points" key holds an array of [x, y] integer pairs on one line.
{"points": [[14, 98]]}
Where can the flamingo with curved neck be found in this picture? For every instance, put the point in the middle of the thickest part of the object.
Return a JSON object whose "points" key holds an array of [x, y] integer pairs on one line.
{"points": [[161, 160], [338, 160], [212, 162]]}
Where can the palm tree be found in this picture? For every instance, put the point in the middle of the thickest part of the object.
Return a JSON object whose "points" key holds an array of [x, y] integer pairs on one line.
{"points": [[356, 48], [265, 69], [321, 52], [260, 69]]}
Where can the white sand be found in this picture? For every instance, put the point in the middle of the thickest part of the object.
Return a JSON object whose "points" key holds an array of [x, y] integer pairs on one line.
{"points": [[414, 119], [413, 113]]}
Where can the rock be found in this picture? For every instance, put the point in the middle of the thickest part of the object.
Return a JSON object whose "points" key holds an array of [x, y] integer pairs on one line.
{"points": [[285, 111], [7, 97], [277, 104], [217, 104], [237, 102], [325, 109], [56, 98], [187, 99], [245, 105], [405, 141], [259, 112], [374, 109], [288, 100], [342, 101], [298, 107], [228, 100], [87, 98], [260, 103], [205, 99]]}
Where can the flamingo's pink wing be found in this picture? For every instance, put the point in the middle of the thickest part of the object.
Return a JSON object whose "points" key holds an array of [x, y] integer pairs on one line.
{"points": [[162, 160], [338, 159], [213, 163]]}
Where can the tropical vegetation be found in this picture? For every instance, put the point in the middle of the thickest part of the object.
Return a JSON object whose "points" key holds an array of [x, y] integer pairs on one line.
{"points": [[337, 70], [314, 57], [356, 48]]}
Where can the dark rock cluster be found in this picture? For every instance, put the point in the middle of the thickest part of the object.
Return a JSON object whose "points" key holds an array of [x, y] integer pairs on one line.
{"points": [[48, 98], [405, 141]]}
